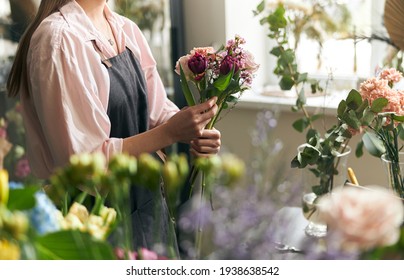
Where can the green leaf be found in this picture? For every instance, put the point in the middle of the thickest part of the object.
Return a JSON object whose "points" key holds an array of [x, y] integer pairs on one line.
{"points": [[286, 83], [185, 88], [309, 155], [302, 77], [316, 117], [400, 129], [363, 107], [277, 20], [398, 118], [72, 245], [319, 190], [301, 124], [312, 137], [287, 57], [351, 119], [354, 99], [341, 108], [223, 81], [359, 149], [295, 163], [22, 199], [373, 144], [277, 51], [301, 99], [261, 7], [368, 117], [378, 105]]}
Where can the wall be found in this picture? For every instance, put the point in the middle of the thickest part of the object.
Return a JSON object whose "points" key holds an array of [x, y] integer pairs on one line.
{"points": [[236, 129]]}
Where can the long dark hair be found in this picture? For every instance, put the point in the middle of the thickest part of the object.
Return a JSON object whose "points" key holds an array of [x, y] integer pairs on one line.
{"points": [[18, 77]]}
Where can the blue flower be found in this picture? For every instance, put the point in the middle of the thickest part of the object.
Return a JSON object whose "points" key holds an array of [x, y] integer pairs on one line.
{"points": [[43, 217]]}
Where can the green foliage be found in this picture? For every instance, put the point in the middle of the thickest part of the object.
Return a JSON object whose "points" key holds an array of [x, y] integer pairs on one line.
{"points": [[72, 245], [22, 199]]}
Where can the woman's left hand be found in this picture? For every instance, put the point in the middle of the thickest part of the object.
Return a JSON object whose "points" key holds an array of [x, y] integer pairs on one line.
{"points": [[206, 145]]}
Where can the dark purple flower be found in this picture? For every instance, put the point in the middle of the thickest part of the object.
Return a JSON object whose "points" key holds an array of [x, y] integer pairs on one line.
{"points": [[22, 168], [197, 64], [227, 64]]}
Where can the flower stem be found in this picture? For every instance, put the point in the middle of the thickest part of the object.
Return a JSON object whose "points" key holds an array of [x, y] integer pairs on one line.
{"points": [[198, 241]]}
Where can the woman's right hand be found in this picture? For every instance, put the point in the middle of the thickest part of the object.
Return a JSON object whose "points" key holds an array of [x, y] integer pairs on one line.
{"points": [[190, 122]]}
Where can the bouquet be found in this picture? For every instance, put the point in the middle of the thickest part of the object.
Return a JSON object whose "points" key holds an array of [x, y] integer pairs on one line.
{"points": [[377, 111], [225, 73]]}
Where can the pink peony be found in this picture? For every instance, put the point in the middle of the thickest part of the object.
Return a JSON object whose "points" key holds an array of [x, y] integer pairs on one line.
{"points": [[362, 219]]}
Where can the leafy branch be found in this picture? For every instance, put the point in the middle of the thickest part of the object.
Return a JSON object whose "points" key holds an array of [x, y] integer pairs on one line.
{"points": [[286, 65]]}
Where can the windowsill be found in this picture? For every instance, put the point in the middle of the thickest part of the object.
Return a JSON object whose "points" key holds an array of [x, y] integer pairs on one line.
{"points": [[326, 104]]}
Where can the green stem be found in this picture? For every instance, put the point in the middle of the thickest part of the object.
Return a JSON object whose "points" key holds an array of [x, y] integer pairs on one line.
{"points": [[198, 242]]}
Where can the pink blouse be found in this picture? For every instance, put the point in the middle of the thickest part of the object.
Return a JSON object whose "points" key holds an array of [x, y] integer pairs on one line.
{"points": [[66, 112]]}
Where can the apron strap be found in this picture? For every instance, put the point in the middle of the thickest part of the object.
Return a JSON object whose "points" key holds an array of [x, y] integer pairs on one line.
{"points": [[104, 59]]}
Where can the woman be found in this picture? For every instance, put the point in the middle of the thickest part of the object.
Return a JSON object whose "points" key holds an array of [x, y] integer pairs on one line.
{"points": [[88, 82]]}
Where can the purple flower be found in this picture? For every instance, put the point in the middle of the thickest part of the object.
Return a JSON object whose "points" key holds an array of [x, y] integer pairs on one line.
{"points": [[227, 65], [197, 63], [22, 168]]}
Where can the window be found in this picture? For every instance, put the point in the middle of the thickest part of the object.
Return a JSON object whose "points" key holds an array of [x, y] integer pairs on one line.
{"points": [[338, 55]]}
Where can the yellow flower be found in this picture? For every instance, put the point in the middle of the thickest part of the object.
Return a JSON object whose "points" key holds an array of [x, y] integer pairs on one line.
{"points": [[9, 250], [108, 215], [95, 226], [71, 221], [4, 186], [80, 211]]}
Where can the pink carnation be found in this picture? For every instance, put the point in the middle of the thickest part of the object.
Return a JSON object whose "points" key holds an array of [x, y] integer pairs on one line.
{"points": [[362, 219], [374, 88], [204, 51], [391, 75]]}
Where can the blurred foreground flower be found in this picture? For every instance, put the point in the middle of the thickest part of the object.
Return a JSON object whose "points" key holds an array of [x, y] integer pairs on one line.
{"points": [[362, 219], [141, 254], [9, 250], [79, 218]]}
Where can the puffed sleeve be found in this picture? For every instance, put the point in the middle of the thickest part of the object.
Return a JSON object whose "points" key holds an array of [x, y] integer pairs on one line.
{"points": [[69, 94]]}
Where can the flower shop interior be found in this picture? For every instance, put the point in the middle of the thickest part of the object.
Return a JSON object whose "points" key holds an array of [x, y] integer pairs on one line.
{"points": [[311, 164]]}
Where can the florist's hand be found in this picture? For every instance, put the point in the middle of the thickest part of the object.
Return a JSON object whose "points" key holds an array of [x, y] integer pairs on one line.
{"points": [[206, 145], [189, 123]]}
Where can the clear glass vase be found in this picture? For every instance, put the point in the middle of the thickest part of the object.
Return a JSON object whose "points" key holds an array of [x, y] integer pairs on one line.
{"points": [[315, 227], [395, 173]]}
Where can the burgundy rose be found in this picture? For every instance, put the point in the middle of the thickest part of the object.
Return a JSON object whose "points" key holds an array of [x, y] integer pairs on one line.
{"points": [[227, 64], [197, 64]]}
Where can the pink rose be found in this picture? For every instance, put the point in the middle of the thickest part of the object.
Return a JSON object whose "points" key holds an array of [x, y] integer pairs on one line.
{"points": [[183, 61], [362, 219]]}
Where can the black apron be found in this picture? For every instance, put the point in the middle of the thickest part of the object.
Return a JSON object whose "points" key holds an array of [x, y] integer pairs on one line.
{"points": [[128, 114]]}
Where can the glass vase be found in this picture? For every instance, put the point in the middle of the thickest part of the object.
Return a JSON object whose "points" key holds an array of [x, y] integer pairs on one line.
{"points": [[395, 173], [315, 227]]}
